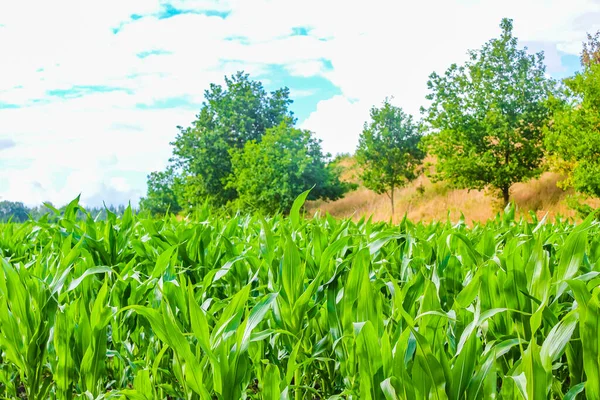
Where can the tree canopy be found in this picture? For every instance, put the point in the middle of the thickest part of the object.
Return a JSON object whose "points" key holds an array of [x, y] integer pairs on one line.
{"points": [[388, 150], [242, 150], [14, 211], [590, 55], [230, 116], [270, 174], [163, 196], [489, 115], [573, 139]]}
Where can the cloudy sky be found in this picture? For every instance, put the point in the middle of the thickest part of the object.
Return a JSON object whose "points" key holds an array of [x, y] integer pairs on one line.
{"points": [[91, 92]]}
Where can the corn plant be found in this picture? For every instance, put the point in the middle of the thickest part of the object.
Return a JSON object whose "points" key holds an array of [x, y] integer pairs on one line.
{"points": [[287, 307]]}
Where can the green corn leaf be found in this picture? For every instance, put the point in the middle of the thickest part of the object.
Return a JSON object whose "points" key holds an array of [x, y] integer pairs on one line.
{"points": [[590, 340], [271, 383], [574, 391], [537, 378], [296, 206], [557, 339]]}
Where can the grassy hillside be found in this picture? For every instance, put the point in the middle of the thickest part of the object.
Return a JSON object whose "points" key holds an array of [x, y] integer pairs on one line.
{"points": [[425, 200]]}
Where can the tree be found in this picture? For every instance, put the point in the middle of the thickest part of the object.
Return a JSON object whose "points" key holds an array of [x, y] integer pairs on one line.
{"points": [[14, 211], [162, 194], [489, 116], [573, 138], [591, 50], [230, 117], [270, 174], [388, 150]]}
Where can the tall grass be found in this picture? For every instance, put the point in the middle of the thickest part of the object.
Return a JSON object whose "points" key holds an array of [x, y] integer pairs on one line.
{"points": [[424, 200], [293, 308]]}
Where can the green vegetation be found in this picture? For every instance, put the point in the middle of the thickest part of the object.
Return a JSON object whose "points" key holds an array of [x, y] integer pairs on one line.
{"points": [[268, 175], [495, 121], [287, 307], [231, 125], [16, 211], [164, 192], [388, 150], [573, 138], [229, 306], [489, 116], [13, 210]]}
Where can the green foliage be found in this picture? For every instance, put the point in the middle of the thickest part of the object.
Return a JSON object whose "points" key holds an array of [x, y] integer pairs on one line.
{"points": [[577, 203], [12, 210], [268, 175], [388, 150], [163, 196], [287, 307], [590, 54], [573, 139], [18, 212], [242, 151], [489, 115], [230, 117]]}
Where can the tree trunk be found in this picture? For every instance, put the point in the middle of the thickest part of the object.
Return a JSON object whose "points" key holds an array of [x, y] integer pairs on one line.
{"points": [[506, 195]]}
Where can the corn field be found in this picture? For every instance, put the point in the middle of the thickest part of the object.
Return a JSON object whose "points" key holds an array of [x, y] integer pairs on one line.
{"points": [[292, 308]]}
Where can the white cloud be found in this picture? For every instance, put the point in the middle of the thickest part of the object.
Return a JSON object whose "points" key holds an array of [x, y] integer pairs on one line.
{"points": [[213, 5], [306, 68], [100, 144], [398, 44], [72, 147], [120, 184], [337, 121]]}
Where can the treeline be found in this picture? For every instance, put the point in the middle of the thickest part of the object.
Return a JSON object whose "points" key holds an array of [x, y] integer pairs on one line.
{"points": [[15, 211], [494, 121]]}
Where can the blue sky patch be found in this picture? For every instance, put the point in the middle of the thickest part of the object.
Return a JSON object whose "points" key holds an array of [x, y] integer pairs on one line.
{"points": [[169, 11], [145, 54], [7, 105], [80, 91], [305, 91], [171, 102], [240, 39], [300, 31], [571, 65]]}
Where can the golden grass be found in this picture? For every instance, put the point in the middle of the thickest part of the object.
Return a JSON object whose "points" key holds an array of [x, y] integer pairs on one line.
{"points": [[438, 202]]}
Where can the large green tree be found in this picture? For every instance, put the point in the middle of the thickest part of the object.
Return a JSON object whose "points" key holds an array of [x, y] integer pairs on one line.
{"points": [[388, 150], [573, 138], [269, 174], [488, 116], [231, 115]]}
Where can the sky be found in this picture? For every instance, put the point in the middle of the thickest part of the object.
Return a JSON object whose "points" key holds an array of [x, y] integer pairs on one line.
{"points": [[91, 92]]}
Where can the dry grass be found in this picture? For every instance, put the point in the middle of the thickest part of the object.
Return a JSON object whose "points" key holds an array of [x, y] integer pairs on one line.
{"points": [[438, 202], [350, 169]]}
